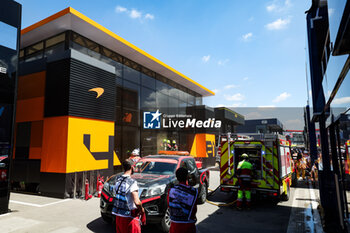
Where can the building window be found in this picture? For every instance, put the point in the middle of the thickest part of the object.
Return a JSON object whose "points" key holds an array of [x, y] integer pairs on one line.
{"points": [[131, 75], [55, 40], [148, 81]]}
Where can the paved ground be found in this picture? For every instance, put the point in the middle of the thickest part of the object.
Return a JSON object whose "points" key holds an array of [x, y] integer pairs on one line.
{"points": [[37, 214]]}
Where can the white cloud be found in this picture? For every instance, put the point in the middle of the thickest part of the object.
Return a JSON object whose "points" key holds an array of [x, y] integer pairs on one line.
{"points": [[205, 59], [135, 14], [245, 78], [278, 24], [230, 86], [247, 36], [342, 100], [219, 105], [330, 11], [119, 9], [149, 16], [216, 91], [223, 62], [273, 7], [235, 97], [281, 97], [287, 3]]}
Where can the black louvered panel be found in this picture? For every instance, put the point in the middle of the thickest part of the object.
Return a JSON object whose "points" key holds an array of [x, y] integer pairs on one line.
{"points": [[83, 102], [57, 88]]}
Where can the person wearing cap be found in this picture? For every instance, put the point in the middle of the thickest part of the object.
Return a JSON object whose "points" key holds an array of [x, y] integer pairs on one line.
{"points": [[127, 206], [244, 175], [182, 202], [135, 155]]}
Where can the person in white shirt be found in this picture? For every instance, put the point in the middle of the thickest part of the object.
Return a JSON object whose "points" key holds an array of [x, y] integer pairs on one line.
{"points": [[127, 205]]}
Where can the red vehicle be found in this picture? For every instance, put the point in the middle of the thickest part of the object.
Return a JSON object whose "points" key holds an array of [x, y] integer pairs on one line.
{"points": [[347, 157], [3, 168], [155, 175]]}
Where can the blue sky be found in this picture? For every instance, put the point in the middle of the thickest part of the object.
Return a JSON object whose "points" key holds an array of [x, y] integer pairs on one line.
{"points": [[251, 53]]}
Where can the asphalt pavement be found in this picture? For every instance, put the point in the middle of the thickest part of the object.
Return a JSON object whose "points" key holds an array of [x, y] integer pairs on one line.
{"points": [[31, 213]]}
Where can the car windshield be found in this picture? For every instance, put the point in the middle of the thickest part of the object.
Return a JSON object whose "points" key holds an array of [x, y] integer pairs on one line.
{"points": [[152, 167]]}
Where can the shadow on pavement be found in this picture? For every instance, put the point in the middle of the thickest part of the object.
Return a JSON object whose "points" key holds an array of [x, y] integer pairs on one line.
{"points": [[100, 226], [264, 216]]}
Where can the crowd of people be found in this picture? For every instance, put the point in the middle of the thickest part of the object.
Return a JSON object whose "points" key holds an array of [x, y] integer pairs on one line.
{"points": [[303, 167]]}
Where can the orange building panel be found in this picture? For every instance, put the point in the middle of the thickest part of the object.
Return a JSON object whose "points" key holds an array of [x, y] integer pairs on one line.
{"points": [[54, 147], [31, 86], [35, 153], [30, 109]]}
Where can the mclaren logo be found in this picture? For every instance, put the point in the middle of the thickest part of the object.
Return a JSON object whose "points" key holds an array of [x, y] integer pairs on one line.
{"points": [[99, 91]]}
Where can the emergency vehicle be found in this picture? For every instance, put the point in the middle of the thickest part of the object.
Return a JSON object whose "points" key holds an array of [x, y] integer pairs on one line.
{"points": [[347, 158], [271, 159]]}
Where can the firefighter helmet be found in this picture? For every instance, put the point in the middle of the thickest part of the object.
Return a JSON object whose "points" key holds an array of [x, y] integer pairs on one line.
{"points": [[245, 156]]}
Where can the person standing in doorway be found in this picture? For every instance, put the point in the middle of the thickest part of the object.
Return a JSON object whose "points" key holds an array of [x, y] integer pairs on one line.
{"points": [[244, 175]]}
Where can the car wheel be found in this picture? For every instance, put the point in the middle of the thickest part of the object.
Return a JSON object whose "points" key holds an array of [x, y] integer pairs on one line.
{"points": [[203, 194], [106, 218], [165, 223]]}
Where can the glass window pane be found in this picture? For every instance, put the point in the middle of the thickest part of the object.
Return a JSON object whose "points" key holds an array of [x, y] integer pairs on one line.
{"points": [[199, 101], [119, 69], [85, 42], [183, 96], [34, 48], [131, 139], [130, 95], [119, 96], [162, 100], [8, 36], [131, 75], [191, 99], [161, 87], [79, 48], [55, 40], [148, 81], [119, 81], [149, 142], [173, 106], [148, 98], [54, 49], [130, 117], [182, 107], [34, 57], [173, 92]]}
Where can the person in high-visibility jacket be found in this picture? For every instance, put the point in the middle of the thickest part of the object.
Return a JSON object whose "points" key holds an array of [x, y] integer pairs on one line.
{"points": [[244, 175]]}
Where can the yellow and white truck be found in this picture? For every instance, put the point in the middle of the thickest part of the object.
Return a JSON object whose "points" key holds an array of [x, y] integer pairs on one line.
{"points": [[271, 159]]}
